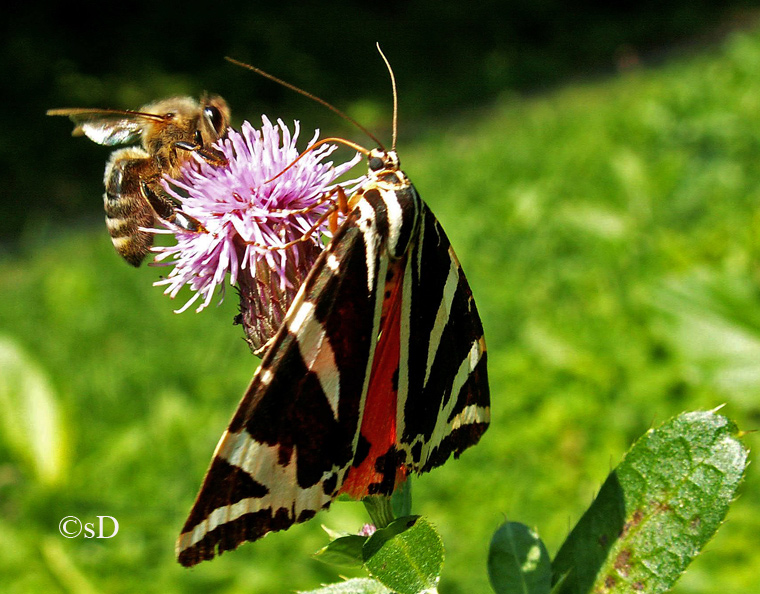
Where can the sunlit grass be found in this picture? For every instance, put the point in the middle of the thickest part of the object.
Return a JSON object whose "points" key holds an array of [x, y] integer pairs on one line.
{"points": [[610, 233]]}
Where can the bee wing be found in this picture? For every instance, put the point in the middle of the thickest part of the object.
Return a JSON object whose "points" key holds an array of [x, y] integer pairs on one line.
{"points": [[108, 126]]}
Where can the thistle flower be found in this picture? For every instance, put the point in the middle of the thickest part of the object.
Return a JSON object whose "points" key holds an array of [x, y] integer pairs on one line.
{"points": [[247, 218]]}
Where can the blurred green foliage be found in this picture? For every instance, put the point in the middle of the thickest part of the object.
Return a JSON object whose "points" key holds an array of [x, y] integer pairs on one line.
{"points": [[609, 231]]}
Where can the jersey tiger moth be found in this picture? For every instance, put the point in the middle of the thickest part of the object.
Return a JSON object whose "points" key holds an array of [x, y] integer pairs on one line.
{"points": [[378, 371]]}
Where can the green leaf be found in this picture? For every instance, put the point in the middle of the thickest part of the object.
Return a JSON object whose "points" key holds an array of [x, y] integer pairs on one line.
{"points": [[657, 509], [518, 561], [354, 586], [407, 556], [334, 534], [30, 417], [345, 551], [559, 584]]}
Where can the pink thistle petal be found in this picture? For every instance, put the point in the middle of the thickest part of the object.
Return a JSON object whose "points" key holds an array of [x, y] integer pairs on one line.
{"points": [[247, 221]]}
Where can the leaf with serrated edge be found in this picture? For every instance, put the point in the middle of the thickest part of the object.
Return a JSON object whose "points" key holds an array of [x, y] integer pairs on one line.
{"points": [[354, 586], [518, 562], [657, 509], [407, 556]]}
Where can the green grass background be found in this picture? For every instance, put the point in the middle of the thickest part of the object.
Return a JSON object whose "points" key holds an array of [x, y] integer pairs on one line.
{"points": [[609, 230]]}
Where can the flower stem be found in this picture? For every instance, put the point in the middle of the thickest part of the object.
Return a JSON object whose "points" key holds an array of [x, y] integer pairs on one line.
{"points": [[379, 509]]}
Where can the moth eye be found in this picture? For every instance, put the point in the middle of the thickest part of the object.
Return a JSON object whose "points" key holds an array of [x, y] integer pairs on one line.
{"points": [[376, 163]]}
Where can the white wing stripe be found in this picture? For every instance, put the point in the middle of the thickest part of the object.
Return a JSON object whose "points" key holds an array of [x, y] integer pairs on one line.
{"points": [[468, 414], [442, 317], [261, 462], [302, 314], [404, 341], [316, 352], [395, 218], [366, 224]]}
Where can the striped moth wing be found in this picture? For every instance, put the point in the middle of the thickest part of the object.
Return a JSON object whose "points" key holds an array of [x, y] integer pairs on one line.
{"points": [[378, 370]]}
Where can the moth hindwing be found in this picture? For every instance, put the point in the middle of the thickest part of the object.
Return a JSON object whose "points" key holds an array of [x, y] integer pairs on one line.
{"points": [[378, 371]]}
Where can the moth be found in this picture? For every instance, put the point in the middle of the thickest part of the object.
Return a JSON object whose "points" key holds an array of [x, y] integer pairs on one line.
{"points": [[377, 372]]}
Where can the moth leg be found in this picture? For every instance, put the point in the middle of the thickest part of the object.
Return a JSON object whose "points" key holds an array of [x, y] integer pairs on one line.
{"points": [[342, 203], [339, 204], [324, 198]]}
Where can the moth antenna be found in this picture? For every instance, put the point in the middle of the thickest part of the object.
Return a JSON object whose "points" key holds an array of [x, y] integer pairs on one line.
{"points": [[319, 100], [395, 95], [343, 141]]}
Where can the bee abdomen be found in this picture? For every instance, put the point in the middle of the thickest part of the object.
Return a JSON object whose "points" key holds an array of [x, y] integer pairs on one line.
{"points": [[126, 208]]}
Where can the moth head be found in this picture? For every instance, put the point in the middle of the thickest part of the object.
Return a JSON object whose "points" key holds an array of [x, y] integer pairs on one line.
{"points": [[381, 160]]}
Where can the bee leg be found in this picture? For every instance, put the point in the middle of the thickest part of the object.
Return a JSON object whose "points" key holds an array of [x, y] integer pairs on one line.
{"points": [[186, 222], [166, 211], [208, 154]]}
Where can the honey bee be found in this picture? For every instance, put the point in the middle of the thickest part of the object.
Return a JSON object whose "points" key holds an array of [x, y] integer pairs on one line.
{"points": [[169, 130]]}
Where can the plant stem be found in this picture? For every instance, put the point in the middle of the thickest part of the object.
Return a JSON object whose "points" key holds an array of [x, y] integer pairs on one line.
{"points": [[379, 509]]}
